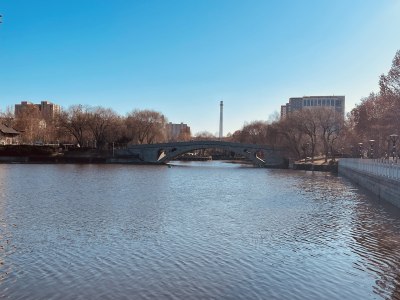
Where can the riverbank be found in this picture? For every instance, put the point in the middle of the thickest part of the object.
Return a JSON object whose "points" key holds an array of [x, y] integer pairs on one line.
{"points": [[104, 157], [31, 154]]}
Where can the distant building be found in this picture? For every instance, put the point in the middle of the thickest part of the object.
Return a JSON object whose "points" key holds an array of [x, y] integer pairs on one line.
{"points": [[309, 102], [46, 109], [176, 132], [8, 135], [284, 111]]}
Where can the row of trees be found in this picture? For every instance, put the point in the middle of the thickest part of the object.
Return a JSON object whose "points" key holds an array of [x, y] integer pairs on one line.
{"points": [[305, 133], [88, 126], [103, 126], [95, 127]]}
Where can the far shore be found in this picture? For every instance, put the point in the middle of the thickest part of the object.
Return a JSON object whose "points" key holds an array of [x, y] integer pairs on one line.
{"points": [[30, 154]]}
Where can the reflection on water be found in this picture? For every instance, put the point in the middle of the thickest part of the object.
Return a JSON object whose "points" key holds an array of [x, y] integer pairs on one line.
{"points": [[192, 231]]}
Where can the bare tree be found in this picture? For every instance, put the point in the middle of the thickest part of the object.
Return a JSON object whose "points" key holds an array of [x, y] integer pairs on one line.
{"points": [[204, 136], [75, 122], [390, 92], [293, 136], [146, 126], [7, 117], [390, 83], [29, 122], [309, 126], [330, 124], [101, 123], [376, 117], [255, 132], [184, 135]]}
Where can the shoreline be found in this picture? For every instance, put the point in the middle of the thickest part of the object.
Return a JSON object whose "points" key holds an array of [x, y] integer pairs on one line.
{"points": [[61, 159], [316, 167]]}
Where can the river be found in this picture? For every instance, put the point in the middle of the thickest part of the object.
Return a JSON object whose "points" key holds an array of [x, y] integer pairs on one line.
{"points": [[199, 230]]}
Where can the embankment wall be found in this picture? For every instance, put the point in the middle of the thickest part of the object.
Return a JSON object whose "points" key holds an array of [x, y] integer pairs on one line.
{"points": [[384, 184]]}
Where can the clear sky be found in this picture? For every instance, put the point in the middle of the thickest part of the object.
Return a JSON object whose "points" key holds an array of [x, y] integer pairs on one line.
{"points": [[181, 57]]}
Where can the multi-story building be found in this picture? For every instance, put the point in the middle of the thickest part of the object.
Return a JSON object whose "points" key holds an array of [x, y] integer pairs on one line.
{"points": [[309, 102], [177, 132], [46, 109]]}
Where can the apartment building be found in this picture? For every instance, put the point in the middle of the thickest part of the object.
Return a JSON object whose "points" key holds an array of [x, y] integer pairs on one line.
{"points": [[46, 109]]}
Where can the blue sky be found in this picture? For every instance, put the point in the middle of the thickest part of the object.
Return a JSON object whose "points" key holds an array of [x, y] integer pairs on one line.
{"points": [[181, 57]]}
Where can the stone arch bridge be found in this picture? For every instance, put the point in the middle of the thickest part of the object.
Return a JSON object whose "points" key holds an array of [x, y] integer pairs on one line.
{"points": [[259, 155]]}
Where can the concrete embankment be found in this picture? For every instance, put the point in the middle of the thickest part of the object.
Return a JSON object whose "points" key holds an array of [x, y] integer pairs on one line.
{"points": [[381, 179]]}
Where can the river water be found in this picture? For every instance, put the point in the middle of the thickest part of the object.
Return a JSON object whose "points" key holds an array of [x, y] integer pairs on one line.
{"points": [[207, 230]]}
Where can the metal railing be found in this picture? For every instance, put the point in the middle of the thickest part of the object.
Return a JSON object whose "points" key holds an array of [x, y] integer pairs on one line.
{"points": [[388, 168]]}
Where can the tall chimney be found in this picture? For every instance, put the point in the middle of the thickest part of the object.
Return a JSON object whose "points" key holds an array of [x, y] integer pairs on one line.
{"points": [[221, 119]]}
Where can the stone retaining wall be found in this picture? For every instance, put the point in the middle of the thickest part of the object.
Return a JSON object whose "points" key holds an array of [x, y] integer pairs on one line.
{"points": [[384, 187]]}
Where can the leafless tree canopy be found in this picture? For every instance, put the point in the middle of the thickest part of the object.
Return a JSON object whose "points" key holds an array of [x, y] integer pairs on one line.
{"points": [[103, 125], [146, 127], [255, 132], [204, 136], [75, 122], [377, 116]]}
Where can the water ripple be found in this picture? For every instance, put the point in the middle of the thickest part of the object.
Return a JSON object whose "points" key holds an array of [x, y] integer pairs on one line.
{"points": [[193, 231]]}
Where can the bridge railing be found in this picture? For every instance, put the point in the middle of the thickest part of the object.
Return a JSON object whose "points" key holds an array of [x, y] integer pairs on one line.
{"points": [[387, 168]]}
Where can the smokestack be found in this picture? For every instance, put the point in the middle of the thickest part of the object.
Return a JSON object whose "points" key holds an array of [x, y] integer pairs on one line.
{"points": [[221, 119]]}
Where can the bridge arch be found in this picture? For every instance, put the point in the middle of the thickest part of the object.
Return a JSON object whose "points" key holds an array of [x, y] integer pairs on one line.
{"points": [[170, 154], [259, 155]]}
